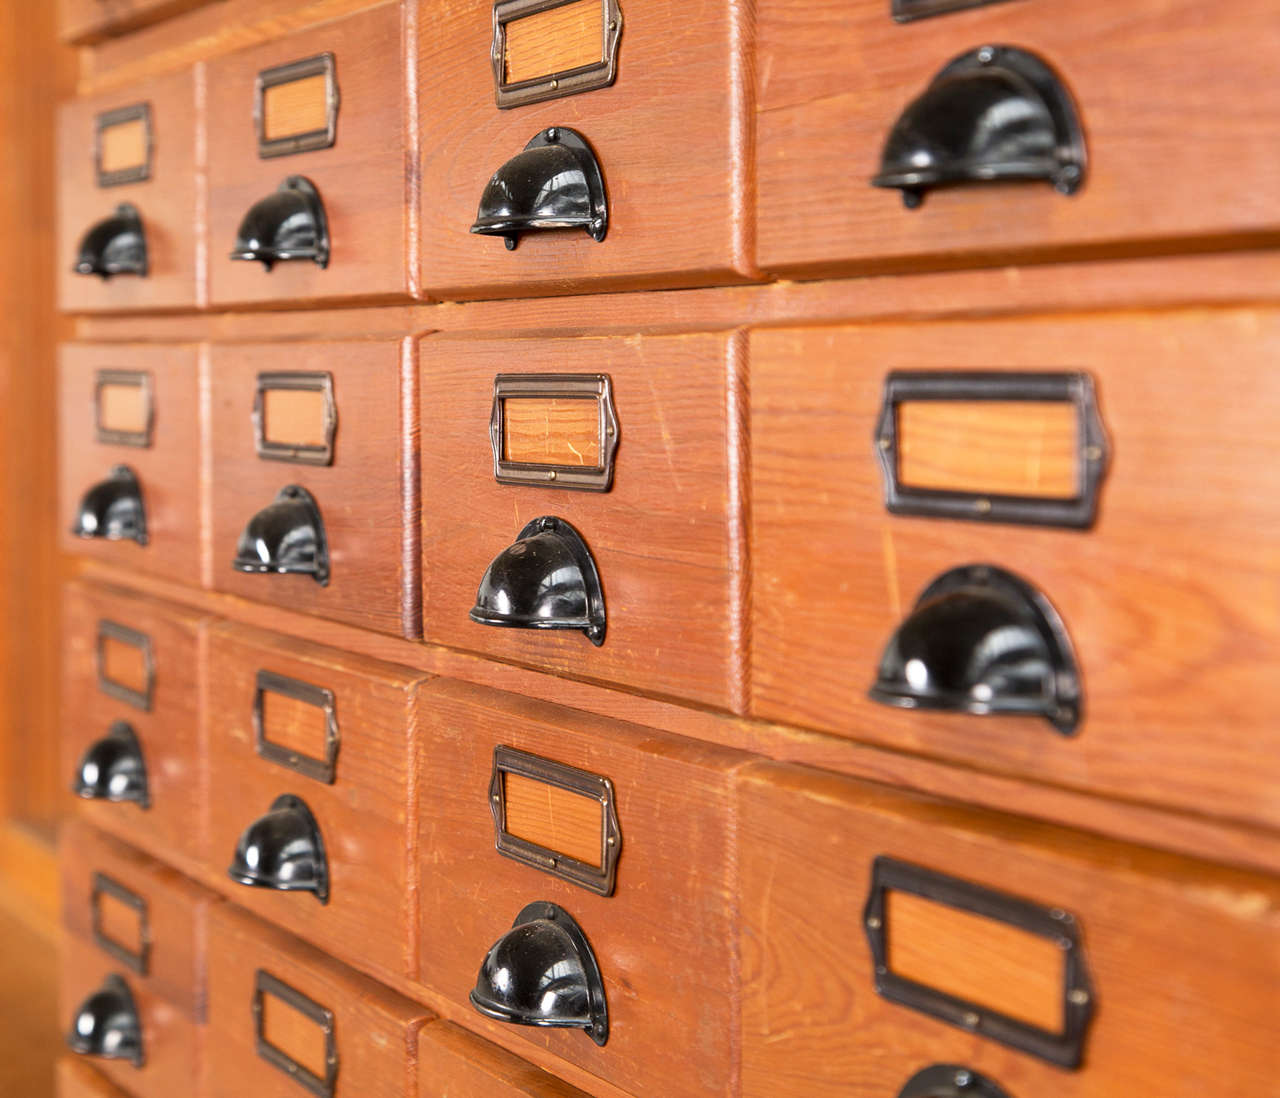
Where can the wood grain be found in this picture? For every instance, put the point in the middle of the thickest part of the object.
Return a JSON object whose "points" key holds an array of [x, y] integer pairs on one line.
{"points": [[295, 107], [367, 496], [77, 1079], [1171, 601], [554, 40], [375, 1031], [453, 1063], [91, 20], [551, 431], [670, 135], [293, 724], [1173, 947], [1157, 85], [300, 1038], [362, 178], [167, 201], [664, 940], [558, 819], [662, 538], [366, 817]]}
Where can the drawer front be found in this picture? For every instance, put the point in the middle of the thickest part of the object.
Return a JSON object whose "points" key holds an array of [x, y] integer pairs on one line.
{"points": [[332, 110], [667, 139], [663, 940], [663, 538], [1169, 602], [143, 917], [337, 732], [327, 418], [136, 148], [453, 1063], [1137, 929], [91, 20], [78, 1080], [1155, 86], [132, 661], [138, 408], [273, 1001]]}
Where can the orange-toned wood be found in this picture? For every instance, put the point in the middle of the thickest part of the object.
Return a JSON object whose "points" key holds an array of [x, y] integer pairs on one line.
{"points": [[1022, 449], [1172, 601], [294, 417], [375, 1032], [77, 1079], [124, 407], [1158, 90], [168, 470], [173, 827], [92, 20], [294, 724], [173, 921], [554, 40], [124, 145], [366, 817], [367, 496], [459, 1064], [294, 1034], [665, 538], [663, 940], [167, 200], [296, 107], [558, 819], [173, 1044], [122, 923], [362, 178], [551, 432], [123, 664], [1182, 955], [670, 135]]}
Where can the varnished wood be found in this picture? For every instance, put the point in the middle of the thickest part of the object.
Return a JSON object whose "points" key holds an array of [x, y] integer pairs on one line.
{"points": [[31, 1034], [295, 107], [124, 145], [1182, 955], [554, 40], [453, 1063], [78, 1079], [551, 431], [90, 20], [557, 819], [1159, 91], [294, 417]]}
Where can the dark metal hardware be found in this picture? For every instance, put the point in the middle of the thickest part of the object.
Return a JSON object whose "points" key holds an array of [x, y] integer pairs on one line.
{"points": [[595, 878], [981, 640], [597, 387], [289, 224], [265, 984], [1079, 511], [1066, 1049], [113, 436], [322, 770], [542, 972], [904, 11], [138, 173], [116, 245], [300, 453], [139, 699], [283, 850], [321, 65], [286, 538], [107, 1025], [555, 183], [552, 85], [112, 509], [994, 114], [547, 579], [950, 1081], [112, 769], [139, 959]]}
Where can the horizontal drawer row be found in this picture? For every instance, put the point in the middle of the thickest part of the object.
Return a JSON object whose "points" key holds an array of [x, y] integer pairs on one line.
{"points": [[1040, 546], [766, 929], [500, 148]]}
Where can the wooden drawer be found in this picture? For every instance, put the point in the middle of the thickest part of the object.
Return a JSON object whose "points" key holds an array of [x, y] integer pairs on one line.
{"points": [[1179, 958], [332, 1024], [91, 20], [453, 1063], [133, 661], [338, 732], [354, 155], [663, 940], [664, 538], [135, 146], [668, 137], [1170, 601], [364, 486], [1157, 85], [78, 1080], [138, 407]]}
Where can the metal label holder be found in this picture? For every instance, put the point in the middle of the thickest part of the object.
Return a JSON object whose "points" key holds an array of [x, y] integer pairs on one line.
{"points": [[114, 436], [905, 11], [321, 65], [138, 960], [1078, 511], [266, 984], [320, 769], [588, 478], [139, 699], [598, 879], [553, 85], [140, 173], [1065, 1049], [297, 453]]}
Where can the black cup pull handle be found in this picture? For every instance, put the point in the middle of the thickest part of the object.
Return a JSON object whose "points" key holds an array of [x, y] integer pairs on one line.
{"points": [[950, 1081]]}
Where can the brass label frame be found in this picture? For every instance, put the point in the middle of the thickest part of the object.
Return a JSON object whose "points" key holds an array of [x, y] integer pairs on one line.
{"points": [[112, 436], [102, 885], [319, 769], [553, 85], [322, 64], [265, 984], [295, 453], [115, 631], [140, 173]]}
